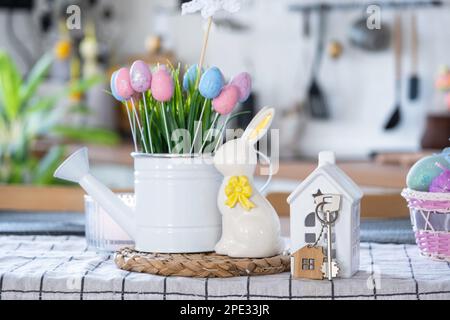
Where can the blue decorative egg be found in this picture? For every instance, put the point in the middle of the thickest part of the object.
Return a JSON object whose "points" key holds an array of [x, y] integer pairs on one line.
{"points": [[113, 88], [422, 173], [211, 83], [191, 76]]}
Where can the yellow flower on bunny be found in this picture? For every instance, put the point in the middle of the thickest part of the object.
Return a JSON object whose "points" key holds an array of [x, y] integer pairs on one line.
{"points": [[239, 190]]}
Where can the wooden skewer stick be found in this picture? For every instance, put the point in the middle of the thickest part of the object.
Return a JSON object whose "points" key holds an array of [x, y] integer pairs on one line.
{"points": [[135, 112], [165, 126], [203, 53], [221, 133], [209, 132], [148, 124], [199, 124], [133, 132]]}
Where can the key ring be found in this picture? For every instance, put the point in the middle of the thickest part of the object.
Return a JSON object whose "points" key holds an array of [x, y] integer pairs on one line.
{"points": [[333, 215]]}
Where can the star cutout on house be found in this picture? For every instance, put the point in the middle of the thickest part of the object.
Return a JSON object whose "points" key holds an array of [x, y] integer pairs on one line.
{"points": [[317, 194]]}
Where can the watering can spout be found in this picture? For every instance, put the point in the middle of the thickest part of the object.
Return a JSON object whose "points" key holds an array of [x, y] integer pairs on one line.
{"points": [[76, 169]]}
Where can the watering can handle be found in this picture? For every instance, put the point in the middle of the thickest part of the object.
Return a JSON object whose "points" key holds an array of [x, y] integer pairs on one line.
{"points": [[269, 179]]}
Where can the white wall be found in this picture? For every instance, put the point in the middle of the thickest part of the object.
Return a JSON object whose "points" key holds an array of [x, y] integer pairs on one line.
{"points": [[359, 86]]}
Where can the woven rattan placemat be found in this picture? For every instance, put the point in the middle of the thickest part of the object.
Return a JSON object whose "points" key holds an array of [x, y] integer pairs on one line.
{"points": [[199, 265]]}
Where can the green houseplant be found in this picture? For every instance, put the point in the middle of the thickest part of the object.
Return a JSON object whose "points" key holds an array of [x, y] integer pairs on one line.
{"points": [[25, 116]]}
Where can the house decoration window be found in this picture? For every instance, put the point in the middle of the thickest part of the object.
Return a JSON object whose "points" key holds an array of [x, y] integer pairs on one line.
{"points": [[308, 264], [310, 220], [305, 264], [310, 237]]}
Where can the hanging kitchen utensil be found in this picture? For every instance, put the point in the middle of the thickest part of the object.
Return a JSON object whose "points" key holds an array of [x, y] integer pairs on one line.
{"points": [[306, 23], [316, 103], [414, 81], [395, 118], [369, 39]]}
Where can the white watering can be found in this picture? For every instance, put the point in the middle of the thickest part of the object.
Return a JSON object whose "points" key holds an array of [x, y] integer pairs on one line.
{"points": [[176, 207]]}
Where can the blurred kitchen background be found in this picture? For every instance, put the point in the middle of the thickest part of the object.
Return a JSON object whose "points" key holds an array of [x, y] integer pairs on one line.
{"points": [[360, 76], [277, 45]]}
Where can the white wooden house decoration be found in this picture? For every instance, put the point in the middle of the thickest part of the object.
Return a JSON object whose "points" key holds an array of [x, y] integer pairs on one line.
{"points": [[328, 178]]}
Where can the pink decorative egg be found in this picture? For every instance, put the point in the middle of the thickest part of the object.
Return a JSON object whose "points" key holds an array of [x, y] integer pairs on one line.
{"points": [[162, 85], [141, 77], [243, 82], [123, 83], [227, 99]]}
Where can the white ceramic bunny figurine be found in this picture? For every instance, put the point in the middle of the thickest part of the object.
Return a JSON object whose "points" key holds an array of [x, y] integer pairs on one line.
{"points": [[250, 225]]}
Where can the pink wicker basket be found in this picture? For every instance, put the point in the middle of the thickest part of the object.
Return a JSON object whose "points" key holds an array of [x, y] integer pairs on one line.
{"points": [[430, 217]]}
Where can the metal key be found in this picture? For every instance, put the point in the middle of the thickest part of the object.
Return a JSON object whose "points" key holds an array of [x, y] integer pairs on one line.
{"points": [[327, 204], [329, 244]]}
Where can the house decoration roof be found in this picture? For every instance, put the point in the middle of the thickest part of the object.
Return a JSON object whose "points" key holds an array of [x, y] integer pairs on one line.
{"points": [[317, 251], [327, 167]]}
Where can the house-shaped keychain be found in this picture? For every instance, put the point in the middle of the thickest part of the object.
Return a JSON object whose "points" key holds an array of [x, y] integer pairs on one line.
{"points": [[308, 263], [330, 190]]}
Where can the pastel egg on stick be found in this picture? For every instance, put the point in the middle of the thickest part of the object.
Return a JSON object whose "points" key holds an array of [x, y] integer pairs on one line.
{"points": [[190, 77], [125, 90], [210, 86], [243, 82], [224, 105], [162, 85], [227, 99], [141, 77], [113, 87], [162, 90], [121, 99], [123, 83], [211, 83], [141, 80]]}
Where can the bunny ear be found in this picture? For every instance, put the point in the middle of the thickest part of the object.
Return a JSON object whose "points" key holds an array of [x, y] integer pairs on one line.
{"points": [[259, 125]]}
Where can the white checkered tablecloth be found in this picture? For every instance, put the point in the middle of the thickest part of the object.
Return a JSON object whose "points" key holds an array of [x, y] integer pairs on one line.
{"points": [[46, 267]]}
